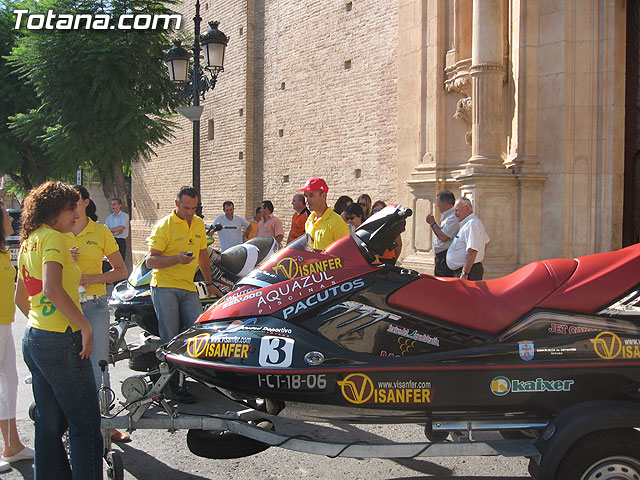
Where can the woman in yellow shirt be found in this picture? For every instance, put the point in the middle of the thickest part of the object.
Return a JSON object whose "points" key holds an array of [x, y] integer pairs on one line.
{"points": [[59, 339], [93, 242], [14, 450]]}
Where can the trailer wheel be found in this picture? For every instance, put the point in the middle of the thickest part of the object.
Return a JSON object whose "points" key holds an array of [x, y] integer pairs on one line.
{"points": [[32, 411], [144, 362], [224, 444], [602, 454], [115, 468], [435, 436]]}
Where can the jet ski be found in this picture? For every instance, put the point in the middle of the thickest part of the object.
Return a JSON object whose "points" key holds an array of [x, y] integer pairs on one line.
{"points": [[335, 334]]}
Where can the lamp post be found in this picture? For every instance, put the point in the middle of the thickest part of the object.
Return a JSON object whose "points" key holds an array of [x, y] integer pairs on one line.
{"points": [[214, 43]]}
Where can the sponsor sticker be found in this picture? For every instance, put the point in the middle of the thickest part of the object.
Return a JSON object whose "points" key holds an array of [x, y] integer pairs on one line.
{"points": [[322, 296], [384, 353], [249, 326], [608, 346], [501, 386], [291, 268], [557, 350], [206, 346], [230, 301], [358, 388], [293, 382], [526, 350], [414, 335], [273, 297], [276, 351], [562, 329]]}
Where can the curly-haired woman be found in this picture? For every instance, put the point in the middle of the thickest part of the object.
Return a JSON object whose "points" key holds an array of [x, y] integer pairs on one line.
{"points": [[58, 339], [14, 450]]}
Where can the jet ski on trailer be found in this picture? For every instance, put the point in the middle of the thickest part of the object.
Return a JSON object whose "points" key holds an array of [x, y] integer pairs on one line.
{"points": [[335, 334]]}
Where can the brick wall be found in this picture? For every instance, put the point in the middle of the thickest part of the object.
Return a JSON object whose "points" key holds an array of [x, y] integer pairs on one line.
{"points": [[309, 89]]}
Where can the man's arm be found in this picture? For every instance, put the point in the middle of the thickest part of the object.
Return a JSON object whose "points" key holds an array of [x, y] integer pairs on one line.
{"points": [[469, 260], [278, 231], [398, 243], [114, 229], [155, 259], [205, 267], [436, 229], [245, 230]]}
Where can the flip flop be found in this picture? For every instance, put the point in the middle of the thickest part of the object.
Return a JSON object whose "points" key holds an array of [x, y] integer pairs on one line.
{"points": [[25, 454], [120, 437]]}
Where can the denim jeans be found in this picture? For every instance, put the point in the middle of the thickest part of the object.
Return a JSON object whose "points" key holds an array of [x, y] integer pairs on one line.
{"points": [[177, 309], [97, 313], [64, 389]]}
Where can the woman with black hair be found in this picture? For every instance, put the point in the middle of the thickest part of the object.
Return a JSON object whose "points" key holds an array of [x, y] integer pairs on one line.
{"points": [[91, 242]]}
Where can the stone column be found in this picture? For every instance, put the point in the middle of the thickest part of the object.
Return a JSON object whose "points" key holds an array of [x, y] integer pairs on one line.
{"points": [[487, 73], [485, 179]]}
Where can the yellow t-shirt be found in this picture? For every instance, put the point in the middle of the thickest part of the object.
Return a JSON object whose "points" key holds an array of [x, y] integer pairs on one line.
{"points": [[7, 289], [47, 245], [327, 229], [93, 242], [172, 235]]}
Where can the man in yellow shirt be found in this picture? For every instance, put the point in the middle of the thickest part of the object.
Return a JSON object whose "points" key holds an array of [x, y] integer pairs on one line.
{"points": [[174, 243], [324, 225]]}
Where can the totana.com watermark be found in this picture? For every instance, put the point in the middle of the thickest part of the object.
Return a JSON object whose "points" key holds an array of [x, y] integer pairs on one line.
{"points": [[67, 21]]}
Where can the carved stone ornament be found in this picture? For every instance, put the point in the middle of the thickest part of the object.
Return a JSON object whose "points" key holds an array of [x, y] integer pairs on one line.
{"points": [[463, 112], [458, 77]]}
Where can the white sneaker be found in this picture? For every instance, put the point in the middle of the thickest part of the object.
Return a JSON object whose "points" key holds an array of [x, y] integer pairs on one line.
{"points": [[4, 466]]}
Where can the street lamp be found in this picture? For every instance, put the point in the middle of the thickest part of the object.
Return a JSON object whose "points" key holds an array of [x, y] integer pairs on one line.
{"points": [[214, 43]]}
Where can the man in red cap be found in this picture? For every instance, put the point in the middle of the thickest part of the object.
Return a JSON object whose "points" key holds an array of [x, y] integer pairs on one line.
{"points": [[323, 225]]}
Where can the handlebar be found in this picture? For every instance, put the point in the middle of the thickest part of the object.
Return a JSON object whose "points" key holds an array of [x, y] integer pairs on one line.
{"points": [[404, 212]]}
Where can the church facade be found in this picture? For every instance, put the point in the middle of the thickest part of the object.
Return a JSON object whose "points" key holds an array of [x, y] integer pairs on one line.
{"points": [[529, 108]]}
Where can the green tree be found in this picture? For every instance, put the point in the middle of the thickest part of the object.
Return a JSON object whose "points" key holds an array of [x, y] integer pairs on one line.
{"points": [[21, 157], [105, 94]]}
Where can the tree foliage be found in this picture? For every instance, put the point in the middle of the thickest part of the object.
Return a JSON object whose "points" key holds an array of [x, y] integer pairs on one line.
{"points": [[21, 154], [104, 94]]}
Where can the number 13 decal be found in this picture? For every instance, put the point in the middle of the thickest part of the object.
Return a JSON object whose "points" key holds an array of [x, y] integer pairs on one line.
{"points": [[276, 351]]}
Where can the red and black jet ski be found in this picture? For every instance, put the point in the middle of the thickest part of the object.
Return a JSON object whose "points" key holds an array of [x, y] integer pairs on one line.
{"points": [[336, 334]]}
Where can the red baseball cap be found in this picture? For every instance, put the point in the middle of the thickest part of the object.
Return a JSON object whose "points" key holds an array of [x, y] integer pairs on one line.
{"points": [[315, 184]]}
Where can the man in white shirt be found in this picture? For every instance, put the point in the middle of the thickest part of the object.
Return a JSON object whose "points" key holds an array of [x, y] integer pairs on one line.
{"points": [[444, 232], [467, 249], [118, 223], [232, 227]]}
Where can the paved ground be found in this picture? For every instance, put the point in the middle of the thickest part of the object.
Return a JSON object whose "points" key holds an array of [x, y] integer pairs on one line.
{"points": [[158, 454]]}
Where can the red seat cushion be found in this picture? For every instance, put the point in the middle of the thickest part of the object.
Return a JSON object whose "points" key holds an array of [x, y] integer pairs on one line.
{"points": [[489, 306], [598, 280]]}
